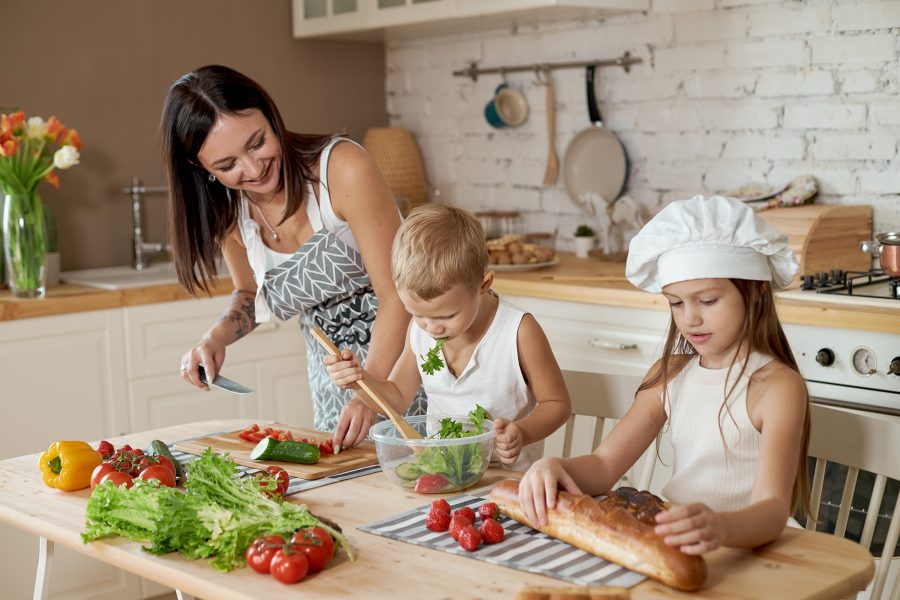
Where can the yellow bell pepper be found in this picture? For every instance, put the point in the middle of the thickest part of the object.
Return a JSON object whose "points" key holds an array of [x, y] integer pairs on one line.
{"points": [[68, 466]]}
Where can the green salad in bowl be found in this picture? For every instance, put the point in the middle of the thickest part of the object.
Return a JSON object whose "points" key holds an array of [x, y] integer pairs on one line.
{"points": [[453, 455]]}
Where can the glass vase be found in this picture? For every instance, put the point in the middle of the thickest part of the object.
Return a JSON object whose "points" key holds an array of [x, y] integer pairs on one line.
{"points": [[24, 244]]}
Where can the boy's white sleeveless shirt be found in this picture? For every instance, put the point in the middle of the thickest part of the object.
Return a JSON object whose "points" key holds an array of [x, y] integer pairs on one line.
{"points": [[703, 469], [492, 378]]}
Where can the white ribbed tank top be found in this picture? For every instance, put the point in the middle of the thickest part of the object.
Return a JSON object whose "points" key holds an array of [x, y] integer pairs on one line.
{"points": [[706, 469], [493, 378]]}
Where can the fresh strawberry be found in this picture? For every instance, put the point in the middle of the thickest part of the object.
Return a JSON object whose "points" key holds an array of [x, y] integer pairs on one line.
{"points": [[457, 523], [488, 510], [491, 531], [468, 512], [106, 450], [438, 520], [469, 538], [441, 505]]}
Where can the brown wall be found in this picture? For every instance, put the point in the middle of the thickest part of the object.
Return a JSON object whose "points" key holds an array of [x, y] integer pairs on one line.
{"points": [[103, 67]]}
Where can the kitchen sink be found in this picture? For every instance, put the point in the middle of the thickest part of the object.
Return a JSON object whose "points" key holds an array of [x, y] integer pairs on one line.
{"points": [[124, 277]]}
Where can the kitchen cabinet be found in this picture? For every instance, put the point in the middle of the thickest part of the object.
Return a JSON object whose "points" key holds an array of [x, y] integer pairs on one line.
{"points": [[98, 374], [380, 19]]}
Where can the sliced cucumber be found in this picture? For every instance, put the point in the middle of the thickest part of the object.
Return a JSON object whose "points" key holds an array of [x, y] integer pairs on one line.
{"points": [[285, 451], [408, 471]]}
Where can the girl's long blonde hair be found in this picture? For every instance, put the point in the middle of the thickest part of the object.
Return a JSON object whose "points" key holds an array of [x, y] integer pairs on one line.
{"points": [[761, 333]]}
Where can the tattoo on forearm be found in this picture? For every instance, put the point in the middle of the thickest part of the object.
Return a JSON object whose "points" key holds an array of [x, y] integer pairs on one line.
{"points": [[242, 313]]}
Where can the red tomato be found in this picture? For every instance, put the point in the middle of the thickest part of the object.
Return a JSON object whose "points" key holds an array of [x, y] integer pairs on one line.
{"points": [[317, 545], [261, 551], [99, 471], [118, 478], [282, 479], [160, 473], [327, 447], [164, 461], [289, 566]]}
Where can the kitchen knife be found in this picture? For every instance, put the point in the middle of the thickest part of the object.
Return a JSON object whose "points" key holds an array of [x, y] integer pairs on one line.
{"points": [[223, 383]]}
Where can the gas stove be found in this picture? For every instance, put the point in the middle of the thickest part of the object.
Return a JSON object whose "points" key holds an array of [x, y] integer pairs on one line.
{"points": [[869, 284], [847, 367]]}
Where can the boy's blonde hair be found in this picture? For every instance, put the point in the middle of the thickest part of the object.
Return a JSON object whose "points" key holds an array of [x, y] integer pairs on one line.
{"points": [[436, 248]]}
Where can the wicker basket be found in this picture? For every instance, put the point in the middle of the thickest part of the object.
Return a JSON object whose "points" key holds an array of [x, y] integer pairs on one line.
{"points": [[397, 155]]}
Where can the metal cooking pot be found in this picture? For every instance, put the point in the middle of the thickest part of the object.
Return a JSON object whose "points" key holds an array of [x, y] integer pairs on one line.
{"points": [[886, 247]]}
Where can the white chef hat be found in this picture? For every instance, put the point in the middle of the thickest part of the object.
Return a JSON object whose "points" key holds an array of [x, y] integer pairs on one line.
{"points": [[708, 238]]}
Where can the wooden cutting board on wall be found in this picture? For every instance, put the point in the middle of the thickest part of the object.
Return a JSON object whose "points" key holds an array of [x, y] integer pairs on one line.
{"points": [[239, 451]]}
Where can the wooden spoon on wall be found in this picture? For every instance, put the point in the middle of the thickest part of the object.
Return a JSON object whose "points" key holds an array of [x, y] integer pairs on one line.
{"points": [[552, 171], [402, 425]]}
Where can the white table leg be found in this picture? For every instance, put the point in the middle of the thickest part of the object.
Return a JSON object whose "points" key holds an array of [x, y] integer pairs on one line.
{"points": [[182, 596], [45, 566]]}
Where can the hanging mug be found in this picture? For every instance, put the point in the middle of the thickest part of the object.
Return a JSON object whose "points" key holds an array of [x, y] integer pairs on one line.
{"points": [[507, 108]]}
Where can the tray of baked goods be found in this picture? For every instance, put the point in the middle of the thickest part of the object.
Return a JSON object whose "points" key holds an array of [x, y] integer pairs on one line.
{"points": [[511, 253]]}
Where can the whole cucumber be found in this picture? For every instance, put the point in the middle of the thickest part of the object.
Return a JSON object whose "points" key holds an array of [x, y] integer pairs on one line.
{"points": [[160, 448], [285, 451]]}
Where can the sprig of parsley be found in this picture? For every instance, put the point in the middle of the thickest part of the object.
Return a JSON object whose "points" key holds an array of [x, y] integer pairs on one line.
{"points": [[432, 362]]}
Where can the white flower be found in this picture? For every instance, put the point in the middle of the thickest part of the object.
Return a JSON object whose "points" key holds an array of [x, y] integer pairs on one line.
{"points": [[35, 128], [66, 157]]}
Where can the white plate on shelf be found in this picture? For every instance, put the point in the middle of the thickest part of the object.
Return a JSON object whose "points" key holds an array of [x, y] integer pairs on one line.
{"points": [[524, 266]]}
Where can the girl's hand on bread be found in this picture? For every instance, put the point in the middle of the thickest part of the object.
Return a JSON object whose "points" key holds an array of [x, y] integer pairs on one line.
{"points": [[693, 528], [509, 441], [537, 490], [344, 371]]}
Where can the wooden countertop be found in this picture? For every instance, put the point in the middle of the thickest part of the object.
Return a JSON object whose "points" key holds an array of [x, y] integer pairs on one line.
{"points": [[800, 564], [64, 298], [593, 281], [587, 280]]}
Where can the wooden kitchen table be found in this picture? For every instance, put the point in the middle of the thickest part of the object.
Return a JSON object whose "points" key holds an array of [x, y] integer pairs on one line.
{"points": [[800, 564]]}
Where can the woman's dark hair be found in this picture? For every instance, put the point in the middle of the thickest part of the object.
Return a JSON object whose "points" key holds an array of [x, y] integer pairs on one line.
{"points": [[761, 332], [203, 212]]}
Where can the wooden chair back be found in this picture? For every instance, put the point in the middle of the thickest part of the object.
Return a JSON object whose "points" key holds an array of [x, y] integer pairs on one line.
{"points": [[605, 397], [862, 442]]}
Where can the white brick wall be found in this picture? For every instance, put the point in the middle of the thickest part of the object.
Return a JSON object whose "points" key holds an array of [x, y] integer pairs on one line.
{"points": [[730, 92]]}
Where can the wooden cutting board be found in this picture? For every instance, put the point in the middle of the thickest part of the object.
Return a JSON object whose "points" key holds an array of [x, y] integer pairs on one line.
{"points": [[239, 451]]}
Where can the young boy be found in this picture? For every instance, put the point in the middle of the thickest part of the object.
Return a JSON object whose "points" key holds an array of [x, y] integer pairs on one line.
{"points": [[493, 354]]}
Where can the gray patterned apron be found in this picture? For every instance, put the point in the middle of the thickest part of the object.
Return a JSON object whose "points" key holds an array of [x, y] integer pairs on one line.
{"points": [[326, 284]]}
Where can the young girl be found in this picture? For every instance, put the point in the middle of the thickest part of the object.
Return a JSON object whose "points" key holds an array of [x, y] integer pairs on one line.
{"points": [[492, 354], [727, 385]]}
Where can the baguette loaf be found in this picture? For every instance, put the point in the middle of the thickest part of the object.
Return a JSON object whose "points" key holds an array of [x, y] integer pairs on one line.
{"points": [[618, 528]]}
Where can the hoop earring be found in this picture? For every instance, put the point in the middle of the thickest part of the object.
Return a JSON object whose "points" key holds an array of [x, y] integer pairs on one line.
{"points": [[211, 178]]}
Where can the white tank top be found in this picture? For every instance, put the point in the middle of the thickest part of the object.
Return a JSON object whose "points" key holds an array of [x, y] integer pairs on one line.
{"points": [[263, 259], [703, 470], [493, 378]]}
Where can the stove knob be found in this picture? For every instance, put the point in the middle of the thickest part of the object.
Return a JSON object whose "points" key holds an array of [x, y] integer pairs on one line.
{"points": [[894, 369], [825, 357], [808, 283]]}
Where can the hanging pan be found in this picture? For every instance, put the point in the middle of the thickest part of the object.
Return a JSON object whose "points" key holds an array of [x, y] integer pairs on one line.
{"points": [[595, 162]]}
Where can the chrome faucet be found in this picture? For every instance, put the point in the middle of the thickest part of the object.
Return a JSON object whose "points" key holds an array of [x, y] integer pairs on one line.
{"points": [[142, 251]]}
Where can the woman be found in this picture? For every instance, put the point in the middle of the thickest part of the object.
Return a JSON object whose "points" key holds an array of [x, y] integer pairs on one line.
{"points": [[304, 223]]}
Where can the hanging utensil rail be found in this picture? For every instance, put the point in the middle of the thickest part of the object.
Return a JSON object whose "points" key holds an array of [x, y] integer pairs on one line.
{"points": [[473, 70]]}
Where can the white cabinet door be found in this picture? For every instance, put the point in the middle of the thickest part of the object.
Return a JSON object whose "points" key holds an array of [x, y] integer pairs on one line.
{"points": [[599, 338], [63, 378], [271, 360], [370, 19]]}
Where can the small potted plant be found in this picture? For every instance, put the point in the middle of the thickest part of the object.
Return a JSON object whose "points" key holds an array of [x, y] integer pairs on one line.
{"points": [[584, 240]]}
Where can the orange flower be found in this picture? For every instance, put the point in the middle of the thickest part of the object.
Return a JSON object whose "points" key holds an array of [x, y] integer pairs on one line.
{"points": [[54, 129], [12, 122], [9, 147], [72, 138], [52, 178]]}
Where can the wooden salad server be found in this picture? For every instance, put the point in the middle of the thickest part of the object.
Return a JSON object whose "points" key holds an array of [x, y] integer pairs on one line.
{"points": [[405, 429]]}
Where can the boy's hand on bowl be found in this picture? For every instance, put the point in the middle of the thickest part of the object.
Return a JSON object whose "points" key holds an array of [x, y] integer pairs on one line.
{"points": [[509, 441], [344, 371]]}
